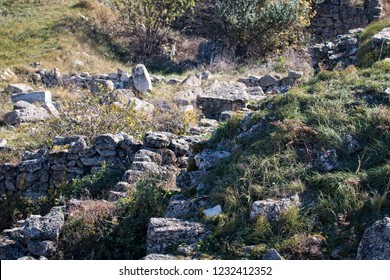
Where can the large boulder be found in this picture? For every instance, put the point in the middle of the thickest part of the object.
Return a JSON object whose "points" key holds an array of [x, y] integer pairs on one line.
{"points": [[381, 37], [47, 227], [221, 97], [141, 78], [166, 233], [375, 244], [27, 115]]}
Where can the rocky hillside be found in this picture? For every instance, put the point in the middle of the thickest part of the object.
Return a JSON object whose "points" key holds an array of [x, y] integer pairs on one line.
{"points": [[262, 163]]}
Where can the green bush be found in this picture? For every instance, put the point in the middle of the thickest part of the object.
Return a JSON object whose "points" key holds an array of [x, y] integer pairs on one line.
{"points": [[149, 21], [255, 26]]}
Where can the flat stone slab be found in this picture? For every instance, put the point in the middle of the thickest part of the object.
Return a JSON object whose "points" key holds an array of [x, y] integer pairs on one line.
{"points": [[166, 233], [42, 97]]}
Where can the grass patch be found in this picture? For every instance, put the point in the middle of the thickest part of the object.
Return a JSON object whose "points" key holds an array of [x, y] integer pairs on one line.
{"points": [[366, 55]]}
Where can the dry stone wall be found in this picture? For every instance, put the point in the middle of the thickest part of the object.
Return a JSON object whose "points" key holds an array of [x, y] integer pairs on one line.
{"points": [[336, 17]]}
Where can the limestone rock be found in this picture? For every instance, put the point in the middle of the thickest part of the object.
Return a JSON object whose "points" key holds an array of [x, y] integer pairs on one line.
{"points": [[19, 88], [41, 97], [165, 233], [192, 81], [375, 244], [106, 142], [3, 143], [141, 78], [179, 207], [221, 97], [381, 37], [30, 166], [180, 147], [100, 85], [156, 140], [214, 211], [268, 80], [326, 160], [141, 105], [272, 208], [44, 228], [272, 255], [207, 159], [42, 248], [159, 257], [33, 114], [148, 156]]}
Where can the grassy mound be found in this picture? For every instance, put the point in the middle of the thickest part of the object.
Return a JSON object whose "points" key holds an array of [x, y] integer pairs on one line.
{"points": [[366, 55], [279, 161], [53, 33]]}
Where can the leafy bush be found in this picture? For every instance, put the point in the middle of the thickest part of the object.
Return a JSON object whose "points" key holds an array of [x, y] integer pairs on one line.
{"points": [[149, 21], [95, 184], [255, 26]]}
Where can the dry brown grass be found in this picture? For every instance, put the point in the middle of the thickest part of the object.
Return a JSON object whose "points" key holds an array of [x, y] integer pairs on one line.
{"points": [[90, 210]]}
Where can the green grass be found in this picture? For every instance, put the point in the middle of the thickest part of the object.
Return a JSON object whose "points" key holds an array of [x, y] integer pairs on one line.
{"points": [[278, 162], [366, 55], [52, 33]]}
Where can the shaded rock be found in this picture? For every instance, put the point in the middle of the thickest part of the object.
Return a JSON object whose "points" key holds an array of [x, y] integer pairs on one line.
{"points": [[148, 167], [11, 249], [268, 80], [381, 37], [272, 254], [205, 75], [179, 207], [47, 227], [42, 248], [106, 142], [351, 144], [166, 233], [207, 159], [30, 166], [156, 140], [141, 78], [375, 243], [148, 156], [326, 160], [180, 147], [226, 115], [272, 208], [41, 97], [100, 85]]}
